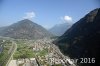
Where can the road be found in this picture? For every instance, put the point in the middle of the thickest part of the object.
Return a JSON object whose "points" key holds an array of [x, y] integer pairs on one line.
{"points": [[11, 57], [27, 64]]}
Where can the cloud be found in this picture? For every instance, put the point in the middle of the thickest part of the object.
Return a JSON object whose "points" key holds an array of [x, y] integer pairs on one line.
{"points": [[29, 15], [67, 18]]}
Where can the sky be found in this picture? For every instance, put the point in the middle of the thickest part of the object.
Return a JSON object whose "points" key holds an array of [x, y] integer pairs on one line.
{"points": [[45, 12]]}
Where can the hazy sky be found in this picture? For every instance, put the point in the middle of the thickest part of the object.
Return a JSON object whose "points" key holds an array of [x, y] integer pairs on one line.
{"points": [[45, 12]]}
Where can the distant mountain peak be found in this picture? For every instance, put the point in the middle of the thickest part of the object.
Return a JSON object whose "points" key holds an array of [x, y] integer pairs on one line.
{"points": [[60, 29], [25, 21], [25, 29]]}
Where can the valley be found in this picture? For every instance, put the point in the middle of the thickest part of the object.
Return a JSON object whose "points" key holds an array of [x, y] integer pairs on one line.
{"points": [[7, 48], [26, 43], [41, 52]]}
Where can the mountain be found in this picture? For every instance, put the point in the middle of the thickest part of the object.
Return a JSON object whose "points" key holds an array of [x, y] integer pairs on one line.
{"points": [[82, 40], [2, 28], [60, 29], [25, 29]]}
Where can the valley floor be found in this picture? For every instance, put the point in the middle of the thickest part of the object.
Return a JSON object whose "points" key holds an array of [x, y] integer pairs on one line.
{"points": [[40, 52]]}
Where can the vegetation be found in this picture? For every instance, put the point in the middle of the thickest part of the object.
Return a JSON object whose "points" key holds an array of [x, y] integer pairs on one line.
{"points": [[4, 55], [42, 53], [57, 65], [24, 50]]}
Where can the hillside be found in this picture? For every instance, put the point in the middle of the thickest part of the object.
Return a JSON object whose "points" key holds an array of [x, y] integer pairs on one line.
{"points": [[25, 29], [82, 40], [60, 29]]}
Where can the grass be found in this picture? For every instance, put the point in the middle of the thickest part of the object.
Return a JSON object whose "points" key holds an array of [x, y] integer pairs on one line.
{"points": [[4, 56], [42, 53], [23, 53], [57, 65], [24, 50]]}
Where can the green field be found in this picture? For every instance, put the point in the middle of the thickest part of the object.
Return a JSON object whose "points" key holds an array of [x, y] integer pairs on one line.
{"points": [[25, 50], [4, 55]]}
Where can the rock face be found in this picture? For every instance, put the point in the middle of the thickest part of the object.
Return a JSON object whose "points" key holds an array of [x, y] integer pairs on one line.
{"points": [[25, 29], [82, 40], [60, 29]]}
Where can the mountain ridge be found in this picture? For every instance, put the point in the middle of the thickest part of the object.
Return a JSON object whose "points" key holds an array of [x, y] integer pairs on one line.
{"points": [[25, 29], [59, 29], [82, 40]]}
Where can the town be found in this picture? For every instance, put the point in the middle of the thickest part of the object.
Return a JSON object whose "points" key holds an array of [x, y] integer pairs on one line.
{"points": [[41, 52]]}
